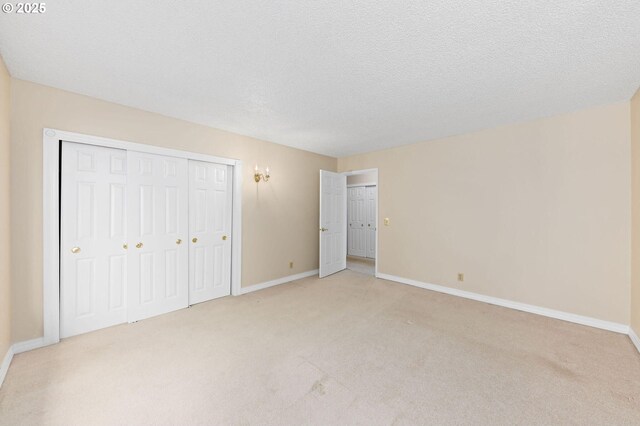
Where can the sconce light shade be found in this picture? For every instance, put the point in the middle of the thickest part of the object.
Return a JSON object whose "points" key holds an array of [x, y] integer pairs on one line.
{"points": [[258, 175]]}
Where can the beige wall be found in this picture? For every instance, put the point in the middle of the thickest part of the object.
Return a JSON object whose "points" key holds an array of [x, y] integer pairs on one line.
{"points": [[537, 213], [279, 218], [5, 274], [360, 179], [635, 212]]}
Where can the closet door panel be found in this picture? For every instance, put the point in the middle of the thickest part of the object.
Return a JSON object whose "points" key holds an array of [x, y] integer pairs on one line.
{"points": [[350, 219], [158, 227], [356, 236], [371, 202], [210, 231], [361, 222], [93, 261]]}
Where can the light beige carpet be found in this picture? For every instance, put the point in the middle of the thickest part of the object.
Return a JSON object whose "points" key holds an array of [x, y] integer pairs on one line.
{"points": [[361, 264], [349, 349]]}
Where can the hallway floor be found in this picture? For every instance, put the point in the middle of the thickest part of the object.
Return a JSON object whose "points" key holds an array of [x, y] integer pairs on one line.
{"points": [[361, 264]]}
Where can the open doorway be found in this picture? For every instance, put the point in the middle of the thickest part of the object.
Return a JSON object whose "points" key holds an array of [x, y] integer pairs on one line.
{"points": [[362, 220]]}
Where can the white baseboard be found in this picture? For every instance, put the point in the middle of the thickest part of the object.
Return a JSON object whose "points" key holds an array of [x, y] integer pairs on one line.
{"points": [[634, 338], [18, 348], [283, 280], [6, 362], [28, 345], [551, 313]]}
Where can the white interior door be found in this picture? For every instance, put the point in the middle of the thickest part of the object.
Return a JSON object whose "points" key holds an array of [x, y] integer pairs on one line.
{"points": [[371, 194], [158, 229], [93, 260], [333, 221], [209, 231], [357, 235]]}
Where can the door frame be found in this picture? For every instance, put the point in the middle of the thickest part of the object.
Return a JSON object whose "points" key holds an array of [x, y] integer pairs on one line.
{"points": [[377, 185], [354, 185], [51, 140]]}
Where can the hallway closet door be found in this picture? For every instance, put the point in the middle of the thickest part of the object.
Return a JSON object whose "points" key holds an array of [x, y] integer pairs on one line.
{"points": [[209, 231], [357, 218], [371, 195], [93, 260], [158, 278]]}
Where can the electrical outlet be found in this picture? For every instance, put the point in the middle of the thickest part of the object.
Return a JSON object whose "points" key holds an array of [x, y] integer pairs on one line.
{"points": [[386, 221], [291, 265], [460, 276]]}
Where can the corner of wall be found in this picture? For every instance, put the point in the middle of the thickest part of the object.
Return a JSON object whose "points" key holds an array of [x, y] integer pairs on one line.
{"points": [[634, 338], [635, 213], [5, 217]]}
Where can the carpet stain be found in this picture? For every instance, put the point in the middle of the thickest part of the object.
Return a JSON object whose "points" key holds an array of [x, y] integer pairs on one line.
{"points": [[556, 367], [319, 387], [630, 399]]}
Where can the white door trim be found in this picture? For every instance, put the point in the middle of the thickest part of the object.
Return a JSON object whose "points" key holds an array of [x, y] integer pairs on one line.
{"points": [[51, 207], [353, 185], [377, 185], [361, 172]]}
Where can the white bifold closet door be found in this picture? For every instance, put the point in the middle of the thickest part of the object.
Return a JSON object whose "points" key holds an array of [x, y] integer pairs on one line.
{"points": [[93, 258], [158, 278], [141, 235], [371, 195], [209, 231], [357, 212]]}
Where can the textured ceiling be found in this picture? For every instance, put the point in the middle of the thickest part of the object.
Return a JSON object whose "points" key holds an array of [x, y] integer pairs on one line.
{"points": [[335, 77]]}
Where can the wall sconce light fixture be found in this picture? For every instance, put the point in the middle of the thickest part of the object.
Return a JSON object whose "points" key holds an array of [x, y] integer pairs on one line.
{"points": [[259, 175]]}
